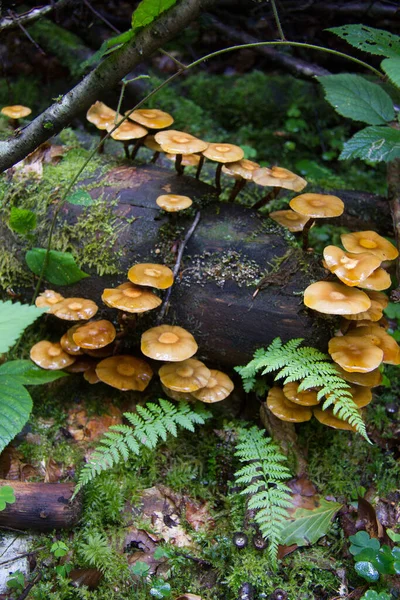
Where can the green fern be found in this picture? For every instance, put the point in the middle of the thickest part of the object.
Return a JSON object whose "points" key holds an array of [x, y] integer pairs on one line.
{"points": [[310, 366], [149, 425], [263, 476]]}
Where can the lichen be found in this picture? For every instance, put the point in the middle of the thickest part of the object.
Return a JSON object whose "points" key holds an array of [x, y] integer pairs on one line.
{"points": [[218, 268]]}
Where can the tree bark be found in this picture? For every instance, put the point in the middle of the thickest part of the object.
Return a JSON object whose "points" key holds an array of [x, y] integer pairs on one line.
{"points": [[27, 18]]}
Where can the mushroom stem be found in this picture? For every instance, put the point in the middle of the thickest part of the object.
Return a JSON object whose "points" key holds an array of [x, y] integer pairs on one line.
{"points": [[103, 134], [126, 149], [155, 156], [136, 147], [218, 178], [237, 188], [14, 123], [306, 230], [200, 166], [267, 198], [178, 164]]}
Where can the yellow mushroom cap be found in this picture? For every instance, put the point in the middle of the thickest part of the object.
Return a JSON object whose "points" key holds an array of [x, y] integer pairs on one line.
{"points": [[218, 387], [224, 153], [124, 372], [354, 353], [317, 206], [126, 131], [326, 417], [168, 342], [17, 111], [370, 379], [185, 376], [241, 169], [352, 269], [305, 398], [188, 160], [362, 395], [151, 274], [286, 410], [48, 298], [74, 309], [49, 355], [378, 280], [380, 338], [130, 298], [173, 202], [289, 219], [186, 396], [153, 118], [151, 144], [179, 142], [335, 299], [94, 335], [379, 301], [101, 115], [369, 241], [279, 177], [67, 343]]}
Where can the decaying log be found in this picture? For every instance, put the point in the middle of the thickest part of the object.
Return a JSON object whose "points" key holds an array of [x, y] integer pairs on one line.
{"points": [[41, 506]]}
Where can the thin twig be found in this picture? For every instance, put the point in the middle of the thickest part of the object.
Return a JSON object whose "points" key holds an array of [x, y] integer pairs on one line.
{"points": [[100, 16], [177, 266], [30, 585], [277, 21], [5, 562], [31, 16], [24, 31]]}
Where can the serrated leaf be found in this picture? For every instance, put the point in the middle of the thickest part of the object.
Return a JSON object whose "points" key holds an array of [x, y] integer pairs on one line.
{"points": [[14, 318], [357, 98], [61, 268], [22, 220], [6, 496], [391, 66], [80, 198], [15, 408], [369, 39], [27, 373], [148, 10], [376, 144], [307, 526]]}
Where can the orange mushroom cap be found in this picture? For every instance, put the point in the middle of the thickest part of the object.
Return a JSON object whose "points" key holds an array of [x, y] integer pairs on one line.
{"points": [[48, 298], [241, 169], [74, 309], [218, 387], [17, 111], [91, 376], [304, 398], [279, 177], [289, 219], [188, 160], [355, 353], [94, 335], [317, 206], [150, 274], [380, 338], [335, 299], [352, 269], [125, 372], [185, 396], [173, 202], [326, 417], [379, 301], [378, 280], [126, 131], [67, 343], [179, 142], [153, 118], [370, 379], [224, 153], [151, 144], [168, 342], [185, 376], [286, 410], [101, 115], [130, 298], [369, 241], [49, 355], [81, 365]]}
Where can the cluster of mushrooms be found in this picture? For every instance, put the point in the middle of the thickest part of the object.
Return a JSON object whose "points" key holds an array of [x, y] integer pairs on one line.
{"points": [[91, 346], [147, 127], [362, 343]]}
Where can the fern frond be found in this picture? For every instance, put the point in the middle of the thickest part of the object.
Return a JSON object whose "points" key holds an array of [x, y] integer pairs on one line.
{"points": [[149, 425], [314, 369], [263, 475]]}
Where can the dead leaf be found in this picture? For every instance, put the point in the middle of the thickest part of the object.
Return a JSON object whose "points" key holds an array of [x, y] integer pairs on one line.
{"points": [[302, 486], [367, 520], [285, 550], [84, 428], [53, 471], [198, 516]]}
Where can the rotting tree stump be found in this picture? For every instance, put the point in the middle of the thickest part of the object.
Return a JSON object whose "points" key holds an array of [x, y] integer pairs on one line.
{"points": [[231, 248]]}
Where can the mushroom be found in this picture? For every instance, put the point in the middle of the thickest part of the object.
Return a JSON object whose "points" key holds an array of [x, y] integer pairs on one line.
{"points": [[150, 143], [94, 335], [151, 118], [67, 343], [48, 298], [101, 115], [370, 379], [316, 206], [151, 274], [126, 133], [74, 309], [355, 354], [173, 202], [362, 395], [284, 409], [304, 398], [179, 143], [81, 365], [352, 269], [326, 417], [381, 339], [124, 372], [222, 154], [130, 298], [185, 376], [218, 387], [16, 112], [188, 160], [378, 280], [335, 299], [277, 178], [379, 302], [49, 355], [179, 396], [289, 219], [370, 241], [242, 171], [91, 376], [168, 342]]}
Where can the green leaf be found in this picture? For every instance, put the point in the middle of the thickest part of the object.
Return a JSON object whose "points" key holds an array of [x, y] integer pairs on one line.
{"points": [[81, 198], [61, 268], [367, 570], [307, 526], [369, 39], [22, 220], [357, 98], [374, 144], [372, 595], [6, 496], [391, 66], [392, 311], [148, 10], [26, 372], [360, 541], [15, 408], [14, 318]]}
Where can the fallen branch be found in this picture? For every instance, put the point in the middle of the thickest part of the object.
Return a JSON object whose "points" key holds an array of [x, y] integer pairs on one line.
{"points": [[393, 181], [27, 18]]}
